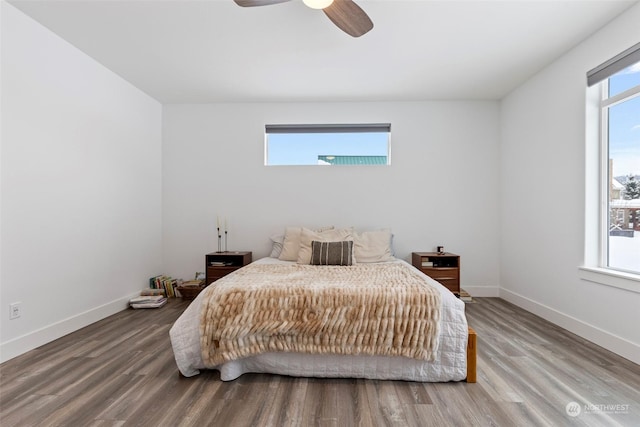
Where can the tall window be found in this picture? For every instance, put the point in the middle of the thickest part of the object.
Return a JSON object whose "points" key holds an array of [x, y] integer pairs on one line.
{"points": [[327, 144], [619, 84]]}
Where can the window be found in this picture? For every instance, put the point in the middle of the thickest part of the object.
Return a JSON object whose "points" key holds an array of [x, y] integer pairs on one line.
{"points": [[327, 144], [618, 85]]}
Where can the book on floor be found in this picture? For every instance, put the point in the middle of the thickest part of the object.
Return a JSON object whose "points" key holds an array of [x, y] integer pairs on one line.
{"points": [[148, 301]]}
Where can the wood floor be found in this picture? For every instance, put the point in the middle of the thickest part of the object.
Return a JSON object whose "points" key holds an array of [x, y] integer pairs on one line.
{"points": [[120, 372]]}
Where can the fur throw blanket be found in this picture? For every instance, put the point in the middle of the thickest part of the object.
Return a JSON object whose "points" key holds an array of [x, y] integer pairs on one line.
{"points": [[387, 309]]}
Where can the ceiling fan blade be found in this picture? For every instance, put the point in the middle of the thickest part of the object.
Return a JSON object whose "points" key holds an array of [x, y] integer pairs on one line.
{"points": [[251, 3], [349, 17]]}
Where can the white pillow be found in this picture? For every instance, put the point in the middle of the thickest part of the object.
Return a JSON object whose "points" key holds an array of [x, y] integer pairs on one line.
{"points": [[291, 243], [276, 248], [307, 236], [373, 246]]}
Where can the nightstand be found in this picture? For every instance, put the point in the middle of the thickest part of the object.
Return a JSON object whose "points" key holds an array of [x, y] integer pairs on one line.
{"points": [[445, 268], [219, 264]]}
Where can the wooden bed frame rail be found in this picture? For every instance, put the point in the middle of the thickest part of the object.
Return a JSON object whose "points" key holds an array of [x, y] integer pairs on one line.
{"points": [[471, 356]]}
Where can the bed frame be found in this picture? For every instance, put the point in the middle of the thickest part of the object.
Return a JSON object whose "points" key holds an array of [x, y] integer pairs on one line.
{"points": [[471, 356]]}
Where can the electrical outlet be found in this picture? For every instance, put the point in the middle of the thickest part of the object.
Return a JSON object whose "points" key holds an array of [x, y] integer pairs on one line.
{"points": [[14, 310]]}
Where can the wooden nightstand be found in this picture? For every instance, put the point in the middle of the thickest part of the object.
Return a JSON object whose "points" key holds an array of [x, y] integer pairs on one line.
{"points": [[219, 264], [445, 268]]}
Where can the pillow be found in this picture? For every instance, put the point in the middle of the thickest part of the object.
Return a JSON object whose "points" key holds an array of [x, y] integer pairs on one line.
{"points": [[291, 242], [373, 246], [307, 236], [276, 248], [332, 253]]}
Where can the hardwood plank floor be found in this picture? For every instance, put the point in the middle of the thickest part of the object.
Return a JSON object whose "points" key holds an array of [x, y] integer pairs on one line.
{"points": [[120, 372]]}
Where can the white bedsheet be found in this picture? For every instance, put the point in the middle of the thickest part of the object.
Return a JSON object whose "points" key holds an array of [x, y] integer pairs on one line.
{"points": [[450, 363]]}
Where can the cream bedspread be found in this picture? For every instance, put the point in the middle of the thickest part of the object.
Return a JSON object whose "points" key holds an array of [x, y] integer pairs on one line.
{"points": [[368, 309]]}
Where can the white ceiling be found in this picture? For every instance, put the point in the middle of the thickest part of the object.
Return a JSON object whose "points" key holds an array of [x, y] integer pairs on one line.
{"points": [[185, 51]]}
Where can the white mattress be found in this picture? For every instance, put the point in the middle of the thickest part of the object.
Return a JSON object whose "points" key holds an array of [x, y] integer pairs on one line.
{"points": [[450, 363]]}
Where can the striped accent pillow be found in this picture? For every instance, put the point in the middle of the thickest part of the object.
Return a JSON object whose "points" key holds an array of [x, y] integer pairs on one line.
{"points": [[331, 253]]}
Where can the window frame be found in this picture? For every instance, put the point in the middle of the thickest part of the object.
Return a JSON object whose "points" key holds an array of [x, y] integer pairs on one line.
{"points": [[605, 104], [596, 267]]}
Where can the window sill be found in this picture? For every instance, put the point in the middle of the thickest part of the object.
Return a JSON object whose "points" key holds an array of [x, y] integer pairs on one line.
{"points": [[607, 277]]}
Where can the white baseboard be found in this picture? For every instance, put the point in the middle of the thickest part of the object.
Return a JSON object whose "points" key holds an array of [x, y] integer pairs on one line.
{"points": [[482, 291], [27, 342], [614, 343]]}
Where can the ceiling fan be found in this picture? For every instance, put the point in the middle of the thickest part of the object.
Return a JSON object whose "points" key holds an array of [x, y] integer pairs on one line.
{"points": [[345, 14]]}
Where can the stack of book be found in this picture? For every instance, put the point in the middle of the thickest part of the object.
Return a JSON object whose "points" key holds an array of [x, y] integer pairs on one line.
{"points": [[465, 296], [148, 301], [164, 283], [219, 263], [148, 292]]}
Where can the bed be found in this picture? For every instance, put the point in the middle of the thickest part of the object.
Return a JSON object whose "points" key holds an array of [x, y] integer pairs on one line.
{"points": [[201, 339]]}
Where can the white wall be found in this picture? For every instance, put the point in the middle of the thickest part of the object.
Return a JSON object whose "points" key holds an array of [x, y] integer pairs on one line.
{"points": [[81, 196], [543, 198], [441, 188]]}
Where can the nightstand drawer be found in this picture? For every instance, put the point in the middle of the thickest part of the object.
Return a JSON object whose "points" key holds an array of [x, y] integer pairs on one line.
{"points": [[441, 273], [452, 284], [217, 272]]}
